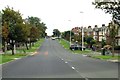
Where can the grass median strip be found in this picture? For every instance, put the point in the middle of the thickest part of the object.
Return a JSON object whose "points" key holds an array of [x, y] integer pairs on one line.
{"points": [[9, 57]]}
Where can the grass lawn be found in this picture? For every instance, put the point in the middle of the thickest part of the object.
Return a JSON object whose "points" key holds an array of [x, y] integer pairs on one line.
{"points": [[67, 45], [64, 43], [82, 52], [36, 46], [87, 52], [106, 57], [8, 57]]}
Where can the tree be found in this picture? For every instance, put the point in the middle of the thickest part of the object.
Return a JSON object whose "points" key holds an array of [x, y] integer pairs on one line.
{"points": [[5, 33], [43, 29], [103, 43], [111, 7], [56, 33], [15, 29], [112, 35], [89, 40], [11, 18], [36, 22], [66, 35], [37, 28]]}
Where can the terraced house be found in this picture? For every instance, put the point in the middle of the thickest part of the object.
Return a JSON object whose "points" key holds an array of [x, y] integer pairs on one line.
{"points": [[118, 37], [98, 33]]}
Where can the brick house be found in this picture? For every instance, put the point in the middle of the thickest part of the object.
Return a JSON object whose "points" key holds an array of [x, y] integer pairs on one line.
{"points": [[76, 30]]}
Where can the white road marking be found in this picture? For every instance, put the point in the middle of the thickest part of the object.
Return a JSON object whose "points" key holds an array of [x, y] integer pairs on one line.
{"points": [[84, 55], [16, 58], [73, 68], [62, 59], [66, 62]]}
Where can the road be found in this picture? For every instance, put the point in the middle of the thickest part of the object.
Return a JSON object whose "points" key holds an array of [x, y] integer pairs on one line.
{"points": [[53, 61]]}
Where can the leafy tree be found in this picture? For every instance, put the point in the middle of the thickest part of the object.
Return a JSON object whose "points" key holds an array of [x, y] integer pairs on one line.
{"points": [[111, 7], [89, 40], [43, 29], [112, 35], [5, 33], [66, 35], [36, 22], [103, 43], [16, 29], [56, 33], [11, 18], [37, 28]]}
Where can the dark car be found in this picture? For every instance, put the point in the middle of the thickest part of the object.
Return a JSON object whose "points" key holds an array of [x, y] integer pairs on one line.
{"points": [[76, 47]]}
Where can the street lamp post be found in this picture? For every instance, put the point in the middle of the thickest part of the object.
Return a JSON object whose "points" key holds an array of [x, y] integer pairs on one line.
{"points": [[14, 46], [82, 32], [70, 37], [82, 38], [70, 33]]}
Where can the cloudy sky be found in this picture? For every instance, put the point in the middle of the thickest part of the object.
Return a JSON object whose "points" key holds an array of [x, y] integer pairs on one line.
{"points": [[60, 14]]}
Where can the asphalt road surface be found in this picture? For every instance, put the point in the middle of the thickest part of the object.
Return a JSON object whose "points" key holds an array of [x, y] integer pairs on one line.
{"points": [[53, 61]]}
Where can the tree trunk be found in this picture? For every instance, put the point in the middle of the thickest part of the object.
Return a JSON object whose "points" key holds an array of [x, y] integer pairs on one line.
{"points": [[26, 45], [5, 47], [13, 51], [12, 48], [113, 54], [30, 45]]}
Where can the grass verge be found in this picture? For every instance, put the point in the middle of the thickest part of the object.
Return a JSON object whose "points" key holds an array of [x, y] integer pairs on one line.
{"points": [[8, 57], [106, 57], [90, 53], [36, 46], [82, 52], [66, 45]]}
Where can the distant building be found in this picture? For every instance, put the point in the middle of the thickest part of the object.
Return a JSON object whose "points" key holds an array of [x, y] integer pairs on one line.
{"points": [[97, 33], [90, 31], [76, 30], [118, 36]]}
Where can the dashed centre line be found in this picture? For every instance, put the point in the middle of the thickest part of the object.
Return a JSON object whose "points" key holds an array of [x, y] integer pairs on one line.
{"points": [[73, 68], [66, 62]]}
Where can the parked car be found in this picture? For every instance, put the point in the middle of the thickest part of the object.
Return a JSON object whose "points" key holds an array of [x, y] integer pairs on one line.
{"points": [[77, 47]]}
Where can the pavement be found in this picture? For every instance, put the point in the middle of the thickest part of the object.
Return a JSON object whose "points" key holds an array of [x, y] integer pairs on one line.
{"points": [[53, 61]]}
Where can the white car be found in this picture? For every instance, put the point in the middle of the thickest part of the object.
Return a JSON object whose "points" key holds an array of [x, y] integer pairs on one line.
{"points": [[53, 38]]}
